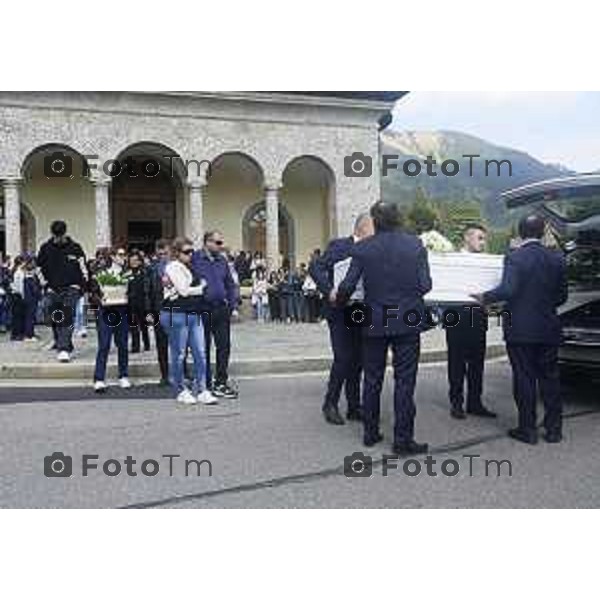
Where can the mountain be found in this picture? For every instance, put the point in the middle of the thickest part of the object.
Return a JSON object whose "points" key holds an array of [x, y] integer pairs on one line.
{"points": [[452, 145]]}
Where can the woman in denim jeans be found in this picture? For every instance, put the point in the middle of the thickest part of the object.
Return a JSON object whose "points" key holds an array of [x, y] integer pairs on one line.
{"points": [[182, 322], [112, 321]]}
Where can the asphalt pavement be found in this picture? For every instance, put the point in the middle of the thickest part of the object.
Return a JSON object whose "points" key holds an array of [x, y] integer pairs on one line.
{"points": [[271, 448]]}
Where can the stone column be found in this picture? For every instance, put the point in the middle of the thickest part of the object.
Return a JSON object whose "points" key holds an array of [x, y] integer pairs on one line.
{"points": [[196, 211], [12, 216], [272, 211], [103, 229]]}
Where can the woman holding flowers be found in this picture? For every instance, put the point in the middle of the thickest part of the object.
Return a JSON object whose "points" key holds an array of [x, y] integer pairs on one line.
{"points": [[109, 291]]}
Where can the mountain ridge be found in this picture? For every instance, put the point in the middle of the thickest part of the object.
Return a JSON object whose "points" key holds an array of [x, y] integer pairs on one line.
{"points": [[444, 145]]}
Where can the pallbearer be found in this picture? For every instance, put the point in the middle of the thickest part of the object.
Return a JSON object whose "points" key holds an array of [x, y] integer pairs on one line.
{"points": [[346, 368], [466, 342]]}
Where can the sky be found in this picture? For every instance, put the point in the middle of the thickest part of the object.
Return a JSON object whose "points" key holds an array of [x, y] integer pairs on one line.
{"points": [[554, 127]]}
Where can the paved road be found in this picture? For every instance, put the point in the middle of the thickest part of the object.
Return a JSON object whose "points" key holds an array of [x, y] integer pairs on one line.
{"points": [[272, 449]]}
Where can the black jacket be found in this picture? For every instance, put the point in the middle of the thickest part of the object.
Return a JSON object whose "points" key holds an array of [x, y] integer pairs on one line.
{"points": [[534, 284], [63, 264], [395, 274], [137, 289]]}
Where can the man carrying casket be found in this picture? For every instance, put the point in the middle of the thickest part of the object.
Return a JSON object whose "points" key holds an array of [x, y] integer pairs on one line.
{"points": [[346, 345], [395, 273], [534, 284], [466, 343]]}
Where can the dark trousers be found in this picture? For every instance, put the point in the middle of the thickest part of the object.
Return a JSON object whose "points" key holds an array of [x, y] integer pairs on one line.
{"points": [[346, 369], [18, 310], [112, 321], [217, 327], [139, 325], [162, 350], [466, 359], [274, 306], [535, 368], [405, 360], [31, 306], [62, 305]]}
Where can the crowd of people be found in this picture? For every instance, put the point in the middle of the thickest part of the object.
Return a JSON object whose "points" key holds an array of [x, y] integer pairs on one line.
{"points": [[60, 286]]}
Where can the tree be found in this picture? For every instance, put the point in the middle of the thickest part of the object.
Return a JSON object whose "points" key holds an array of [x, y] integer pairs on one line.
{"points": [[422, 215]]}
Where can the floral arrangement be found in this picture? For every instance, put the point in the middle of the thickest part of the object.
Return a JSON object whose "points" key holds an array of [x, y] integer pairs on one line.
{"points": [[113, 288], [434, 241], [106, 278]]}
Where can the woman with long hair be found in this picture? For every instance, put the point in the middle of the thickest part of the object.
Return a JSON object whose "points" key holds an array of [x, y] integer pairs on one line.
{"points": [[181, 320]]}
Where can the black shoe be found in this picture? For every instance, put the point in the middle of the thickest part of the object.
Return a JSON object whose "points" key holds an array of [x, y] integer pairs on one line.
{"points": [[224, 391], [553, 437], [409, 448], [332, 415], [369, 442], [458, 413], [354, 414], [163, 383], [481, 411], [134, 351], [523, 436]]}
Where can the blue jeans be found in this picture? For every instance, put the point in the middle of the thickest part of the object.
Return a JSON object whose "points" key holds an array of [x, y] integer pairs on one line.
{"points": [[80, 322], [185, 330], [112, 321]]}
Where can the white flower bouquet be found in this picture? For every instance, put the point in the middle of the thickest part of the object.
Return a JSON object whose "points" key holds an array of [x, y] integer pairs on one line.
{"points": [[113, 288], [434, 241]]}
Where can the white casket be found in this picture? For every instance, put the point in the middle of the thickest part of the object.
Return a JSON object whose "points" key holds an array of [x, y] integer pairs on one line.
{"points": [[340, 270], [456, 275]]}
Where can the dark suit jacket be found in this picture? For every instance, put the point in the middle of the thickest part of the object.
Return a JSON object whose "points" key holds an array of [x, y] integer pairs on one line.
{"points": [[321, 269], [395, 274], [534, 284]]}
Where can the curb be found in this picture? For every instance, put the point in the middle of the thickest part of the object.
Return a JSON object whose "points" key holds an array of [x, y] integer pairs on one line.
{"points": [[85, 370]]}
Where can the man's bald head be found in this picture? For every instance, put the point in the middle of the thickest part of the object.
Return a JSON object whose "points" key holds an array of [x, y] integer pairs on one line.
{"points": [[363, 226], [532, 226]]}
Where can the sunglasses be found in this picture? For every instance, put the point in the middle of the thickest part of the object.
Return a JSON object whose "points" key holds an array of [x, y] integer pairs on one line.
{"points": [[218, 242], [188, 251]]}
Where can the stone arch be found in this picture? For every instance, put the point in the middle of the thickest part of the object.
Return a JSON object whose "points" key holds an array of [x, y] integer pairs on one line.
{"points": [[308, 193], [254, 231], [147, 196], [56, 185], [236, 183]]}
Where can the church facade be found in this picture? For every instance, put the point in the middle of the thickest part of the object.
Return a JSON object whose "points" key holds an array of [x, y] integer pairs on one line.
{"points": [[265, 168]]}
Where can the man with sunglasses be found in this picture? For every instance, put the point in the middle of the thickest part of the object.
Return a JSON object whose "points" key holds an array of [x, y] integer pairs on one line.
{"points": [[217, 305]]}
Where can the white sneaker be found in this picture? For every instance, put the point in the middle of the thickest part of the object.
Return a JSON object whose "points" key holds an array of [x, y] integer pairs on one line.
{"points": [[99, 387], [207, 398], [124, 383], [64, 357], [186, 397]]}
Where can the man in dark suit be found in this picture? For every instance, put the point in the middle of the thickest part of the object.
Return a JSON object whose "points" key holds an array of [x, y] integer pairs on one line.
{"points": [[534, 284], [346, 346], [395, 273], [466, 342]]}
